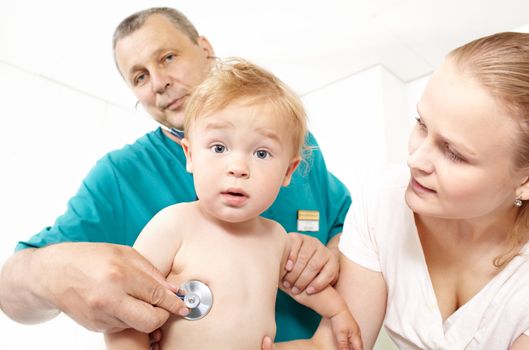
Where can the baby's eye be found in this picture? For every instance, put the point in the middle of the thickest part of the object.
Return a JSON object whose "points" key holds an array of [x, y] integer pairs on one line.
{"points": [[218, 148], [262, 154]]}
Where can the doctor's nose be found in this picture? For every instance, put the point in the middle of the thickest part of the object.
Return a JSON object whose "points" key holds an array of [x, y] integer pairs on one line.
{"points": [[160, 82]]}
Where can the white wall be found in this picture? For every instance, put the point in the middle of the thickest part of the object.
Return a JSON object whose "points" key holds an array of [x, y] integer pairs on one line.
{"points": [[360, 122]]}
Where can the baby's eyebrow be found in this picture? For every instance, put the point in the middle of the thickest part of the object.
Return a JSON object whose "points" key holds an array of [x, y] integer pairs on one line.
{"points": [[269, 133]]}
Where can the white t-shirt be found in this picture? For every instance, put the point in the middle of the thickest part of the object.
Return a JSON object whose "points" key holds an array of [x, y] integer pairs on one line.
{"points": [[380, 234]]}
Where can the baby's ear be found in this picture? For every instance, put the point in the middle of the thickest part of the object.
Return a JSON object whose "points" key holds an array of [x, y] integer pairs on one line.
{"points": [[290, 170], [187, 152]]}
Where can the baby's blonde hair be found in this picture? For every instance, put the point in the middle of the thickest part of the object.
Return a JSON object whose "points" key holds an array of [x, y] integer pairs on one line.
{"points": [[233, 79]]}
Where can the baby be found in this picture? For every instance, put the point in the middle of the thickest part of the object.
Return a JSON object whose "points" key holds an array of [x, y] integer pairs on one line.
{"points": [[244, 137]]}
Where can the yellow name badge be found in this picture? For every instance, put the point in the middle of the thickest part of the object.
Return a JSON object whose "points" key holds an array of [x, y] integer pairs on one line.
{"points": [[308, 220]]}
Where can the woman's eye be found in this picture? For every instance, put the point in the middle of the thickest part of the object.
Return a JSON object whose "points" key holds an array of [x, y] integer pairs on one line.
{"points": [[454, 157], [262, 154], [169, 58], [218, 148]]}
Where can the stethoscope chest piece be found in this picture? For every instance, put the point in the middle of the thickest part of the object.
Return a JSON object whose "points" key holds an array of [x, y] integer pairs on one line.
{"points": [[198, 298]]}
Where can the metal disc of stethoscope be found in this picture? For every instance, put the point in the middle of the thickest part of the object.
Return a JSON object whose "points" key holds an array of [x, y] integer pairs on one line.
{"points": [[198, 298]]}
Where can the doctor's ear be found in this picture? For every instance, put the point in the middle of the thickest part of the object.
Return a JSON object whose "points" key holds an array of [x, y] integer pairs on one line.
{"points": [[187, 152]]}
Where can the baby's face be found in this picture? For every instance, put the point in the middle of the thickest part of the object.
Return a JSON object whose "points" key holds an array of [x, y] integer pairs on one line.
{"points": [[240, 157]]}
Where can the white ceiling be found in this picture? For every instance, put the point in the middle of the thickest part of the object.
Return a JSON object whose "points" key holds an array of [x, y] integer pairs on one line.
{"points": [[308, 43]]}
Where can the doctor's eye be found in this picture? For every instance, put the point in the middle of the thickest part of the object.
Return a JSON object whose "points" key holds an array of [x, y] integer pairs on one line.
{"points": [[218, 148], [169, 57], [139, 79], [262, 154]]}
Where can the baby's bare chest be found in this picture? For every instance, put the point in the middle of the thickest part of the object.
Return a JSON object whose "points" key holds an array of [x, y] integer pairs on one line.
{"points": [[243, 277], [245, 267]]}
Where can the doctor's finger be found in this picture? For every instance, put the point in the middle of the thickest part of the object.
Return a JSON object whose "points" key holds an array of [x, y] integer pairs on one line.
{"points": [[148, 289], [290, 280], [148, 271], [295, 242], [141, 316], [311, 271], [324, 278]]}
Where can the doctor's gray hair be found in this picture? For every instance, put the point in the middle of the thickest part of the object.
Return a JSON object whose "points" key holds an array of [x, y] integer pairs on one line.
{"points": [[135, 21]]}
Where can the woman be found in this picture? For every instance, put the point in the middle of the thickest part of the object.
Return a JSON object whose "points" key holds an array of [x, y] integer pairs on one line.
{"points": [[439, 250]]}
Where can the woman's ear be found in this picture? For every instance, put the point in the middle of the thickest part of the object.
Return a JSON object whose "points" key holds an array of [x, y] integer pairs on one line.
{"points": [[187, 152]]}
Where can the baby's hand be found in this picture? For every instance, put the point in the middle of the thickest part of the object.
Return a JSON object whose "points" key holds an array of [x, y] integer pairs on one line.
{"points": [[346, 331]]}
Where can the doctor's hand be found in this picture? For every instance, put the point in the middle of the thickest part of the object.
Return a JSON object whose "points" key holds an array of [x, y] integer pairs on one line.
{"points": [[107, 288], [310, 265]]}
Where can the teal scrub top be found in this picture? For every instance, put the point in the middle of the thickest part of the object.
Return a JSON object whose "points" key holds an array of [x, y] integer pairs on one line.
{"points": [[127, 187]]}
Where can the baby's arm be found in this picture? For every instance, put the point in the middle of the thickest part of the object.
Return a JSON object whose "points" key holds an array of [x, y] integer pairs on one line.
{"points": [[159, 242], [330, 304]]}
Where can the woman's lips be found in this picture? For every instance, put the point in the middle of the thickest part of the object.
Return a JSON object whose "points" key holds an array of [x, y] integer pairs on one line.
{"points": [[418, 188]]}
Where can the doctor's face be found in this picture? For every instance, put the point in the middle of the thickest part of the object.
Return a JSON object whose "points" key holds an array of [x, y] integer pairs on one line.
{"points": [[162, 66], [461, 152]]}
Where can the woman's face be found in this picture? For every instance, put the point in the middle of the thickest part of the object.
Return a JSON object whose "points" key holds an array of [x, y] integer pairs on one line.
{"points": [[461, 151]]}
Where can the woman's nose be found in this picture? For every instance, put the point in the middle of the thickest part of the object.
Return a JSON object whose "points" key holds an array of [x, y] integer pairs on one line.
{"points": [[420, 155]]}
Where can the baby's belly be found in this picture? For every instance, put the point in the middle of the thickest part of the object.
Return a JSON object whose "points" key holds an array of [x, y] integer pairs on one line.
{"points": [[243, 328]]}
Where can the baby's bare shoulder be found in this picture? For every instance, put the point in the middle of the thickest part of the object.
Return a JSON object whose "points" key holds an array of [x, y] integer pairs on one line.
{"points": [[272, 225], [178, 208], [174, 214], [275, 233]]}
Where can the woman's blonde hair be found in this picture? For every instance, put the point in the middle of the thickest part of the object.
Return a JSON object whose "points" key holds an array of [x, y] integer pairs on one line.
{"points": [[233, 79], [500, 63]]}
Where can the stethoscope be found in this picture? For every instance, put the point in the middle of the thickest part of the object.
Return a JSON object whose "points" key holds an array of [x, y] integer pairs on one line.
{"points": [[176, 132], [197, 297]]}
